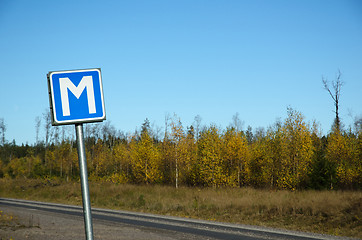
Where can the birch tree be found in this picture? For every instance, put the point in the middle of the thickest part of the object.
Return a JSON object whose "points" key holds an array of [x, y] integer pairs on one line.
{"points": [[177, 135], [236, 155], [2, 131]]}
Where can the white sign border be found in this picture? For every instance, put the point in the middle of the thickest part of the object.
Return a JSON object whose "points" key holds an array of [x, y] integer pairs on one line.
{"points": [[56, 122]]}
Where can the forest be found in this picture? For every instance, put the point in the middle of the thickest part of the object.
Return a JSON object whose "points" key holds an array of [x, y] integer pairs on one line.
{"points": [[290, 154]]}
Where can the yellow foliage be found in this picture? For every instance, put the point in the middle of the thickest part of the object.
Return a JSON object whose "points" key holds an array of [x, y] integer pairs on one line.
{"points": [[344, 152], [146, 159]]}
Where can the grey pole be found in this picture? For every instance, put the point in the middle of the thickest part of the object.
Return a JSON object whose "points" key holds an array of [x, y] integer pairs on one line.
{"points": [[84, 182]]}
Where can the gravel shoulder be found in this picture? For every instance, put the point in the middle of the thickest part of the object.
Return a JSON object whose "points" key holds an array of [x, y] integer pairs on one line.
{"points": [[41, 225]]}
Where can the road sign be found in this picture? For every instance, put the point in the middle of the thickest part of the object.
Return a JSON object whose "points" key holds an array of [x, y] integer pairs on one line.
{"points": [[76, 96]]}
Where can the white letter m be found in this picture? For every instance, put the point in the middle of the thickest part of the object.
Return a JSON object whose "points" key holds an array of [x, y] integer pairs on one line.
{"points": [[66, 84]]}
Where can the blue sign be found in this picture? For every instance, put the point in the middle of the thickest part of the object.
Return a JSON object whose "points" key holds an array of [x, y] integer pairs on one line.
{"points": [[76, 96]]}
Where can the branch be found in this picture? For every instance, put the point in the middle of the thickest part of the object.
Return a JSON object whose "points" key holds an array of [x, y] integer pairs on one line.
{"points": [[326, 87]]}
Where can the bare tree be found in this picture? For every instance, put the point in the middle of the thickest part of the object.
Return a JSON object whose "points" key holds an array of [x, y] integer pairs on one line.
{"points": [[37, 129], [167, 120], [197, 123], [56, 135], [48, 137], [62, 133], [47, 127], [2, 131], [109, 134], [335, 93], [70, 133], [358, 123], [157, 132], [236, 123]]}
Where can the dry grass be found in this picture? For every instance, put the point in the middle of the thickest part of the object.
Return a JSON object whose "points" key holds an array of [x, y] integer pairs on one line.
{"points": [[12, 222], [6, 220], [330, 212]]}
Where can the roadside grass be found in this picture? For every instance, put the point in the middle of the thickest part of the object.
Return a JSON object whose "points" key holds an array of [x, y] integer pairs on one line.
{"points": [[329, 212]]}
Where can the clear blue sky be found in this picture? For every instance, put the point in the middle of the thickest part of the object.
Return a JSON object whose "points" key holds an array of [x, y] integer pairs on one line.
{"points": [[194, 57]]}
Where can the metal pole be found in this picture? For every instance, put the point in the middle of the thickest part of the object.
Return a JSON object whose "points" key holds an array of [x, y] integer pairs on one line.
{"points": [[84, 182]]}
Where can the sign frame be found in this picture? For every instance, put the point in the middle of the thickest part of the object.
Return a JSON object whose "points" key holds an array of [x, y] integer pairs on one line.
{"points": [[90, 81]]}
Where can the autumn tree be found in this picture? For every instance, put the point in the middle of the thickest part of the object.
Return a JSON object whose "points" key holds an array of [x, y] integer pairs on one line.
{"points": [[343, 151], [236, 155], [259, 165], [167, 156], [17, 167], [275, 158], [99, 163], [62, 156], [359, 158], [321, 168], [189, 155], [299, 149], [176, 137], [282, 159], [210, 163], [122, 163], [145, 157]]}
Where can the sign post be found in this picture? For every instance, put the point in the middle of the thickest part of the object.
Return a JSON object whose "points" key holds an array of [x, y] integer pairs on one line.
{"points": [[84, 182], [76, 97]]}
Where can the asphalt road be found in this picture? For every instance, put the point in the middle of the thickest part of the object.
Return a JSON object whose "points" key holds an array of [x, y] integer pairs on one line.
{"points": [[154, 226]]}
